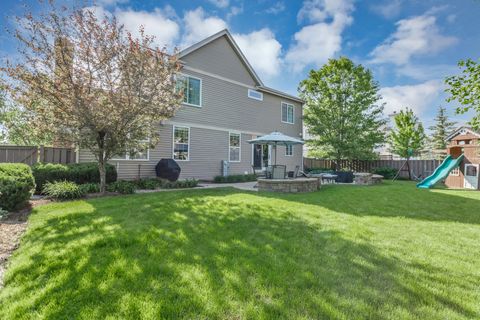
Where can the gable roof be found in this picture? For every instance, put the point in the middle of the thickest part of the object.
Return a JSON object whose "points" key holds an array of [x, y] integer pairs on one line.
{"points": [[259, 84], [234, 45], [464, 129]]}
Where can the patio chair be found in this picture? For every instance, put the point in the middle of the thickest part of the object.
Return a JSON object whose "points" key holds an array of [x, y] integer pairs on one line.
{"points": [[295, 172], [279, 171]]}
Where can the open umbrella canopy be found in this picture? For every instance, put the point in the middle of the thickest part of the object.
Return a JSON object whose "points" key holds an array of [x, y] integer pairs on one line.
{"points": [[276, 138]]}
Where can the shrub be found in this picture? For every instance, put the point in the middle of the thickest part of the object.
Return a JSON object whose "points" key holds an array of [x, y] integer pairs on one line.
{"points": [[3, 213], [79, 173], [63, 190], [89, 188], [318, 170], [235, 178], [386, 172], [122, 186], [16, 185], [179, 184], [148, 184]]}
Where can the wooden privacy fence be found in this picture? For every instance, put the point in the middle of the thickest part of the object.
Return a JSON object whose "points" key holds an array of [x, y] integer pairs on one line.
{"points": [[420, 168], [32, 154]]}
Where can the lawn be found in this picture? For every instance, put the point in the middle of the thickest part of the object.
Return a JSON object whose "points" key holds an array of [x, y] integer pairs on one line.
{"points": [[345, 252]]}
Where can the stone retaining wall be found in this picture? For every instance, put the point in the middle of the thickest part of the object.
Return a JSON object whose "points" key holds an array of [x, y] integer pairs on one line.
{"points": [[289, 185]]}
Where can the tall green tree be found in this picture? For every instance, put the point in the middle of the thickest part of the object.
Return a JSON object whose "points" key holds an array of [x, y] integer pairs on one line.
{"points": [[408, 136], [343, 114], [442, 128], [465, 88]]}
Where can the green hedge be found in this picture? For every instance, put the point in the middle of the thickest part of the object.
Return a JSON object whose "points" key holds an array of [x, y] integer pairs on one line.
{"points": [[16, 185], [235, 178], [79, 173]]}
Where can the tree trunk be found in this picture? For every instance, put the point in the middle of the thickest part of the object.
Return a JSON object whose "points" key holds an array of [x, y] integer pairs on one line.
{"points": [[408, 167], [103, 179]]}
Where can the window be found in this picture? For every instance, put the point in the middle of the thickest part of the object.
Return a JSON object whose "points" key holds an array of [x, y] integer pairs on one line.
{"points": [[181, 143], [471, 171], [234, 147], [287, 112], [192, 89], [255, 95], [134, 154], [289, 150], [455, 172]]}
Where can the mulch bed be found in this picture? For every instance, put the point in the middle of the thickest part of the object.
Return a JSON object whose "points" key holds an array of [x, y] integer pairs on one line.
{"points": [[11, 230]]}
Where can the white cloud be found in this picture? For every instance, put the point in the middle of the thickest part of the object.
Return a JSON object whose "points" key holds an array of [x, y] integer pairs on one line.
{"points": [[389, 9], [316, 43], [198, 26], [262, 51], [417, 97], [158, 23], [426, 72], [110, 2], [234, 11], [220, 3], [276, 8], [419, 35]]}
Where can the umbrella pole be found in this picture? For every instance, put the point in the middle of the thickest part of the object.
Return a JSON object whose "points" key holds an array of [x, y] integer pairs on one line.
{"points": [[275, 153]]}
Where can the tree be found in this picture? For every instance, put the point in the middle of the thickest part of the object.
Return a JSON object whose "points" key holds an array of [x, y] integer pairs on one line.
{"points": [[342, 111], [442, 128], [465, 88], [408, 136], [99, 88], [16, 126]]}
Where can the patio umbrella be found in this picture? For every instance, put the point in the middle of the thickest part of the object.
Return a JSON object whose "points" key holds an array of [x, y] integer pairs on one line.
{"points": [[274, 139]]}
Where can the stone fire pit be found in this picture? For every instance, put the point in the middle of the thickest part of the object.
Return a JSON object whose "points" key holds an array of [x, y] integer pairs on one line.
{"points": [[289, 185], [366, 179]]}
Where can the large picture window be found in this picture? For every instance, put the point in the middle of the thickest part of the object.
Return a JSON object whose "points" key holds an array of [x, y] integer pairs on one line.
{"points": [[234, 147], [181, 143], [192, 89], [287, 112]]}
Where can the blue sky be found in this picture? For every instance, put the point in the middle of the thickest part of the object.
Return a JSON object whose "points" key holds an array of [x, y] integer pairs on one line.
{"points": [[409, 45]]}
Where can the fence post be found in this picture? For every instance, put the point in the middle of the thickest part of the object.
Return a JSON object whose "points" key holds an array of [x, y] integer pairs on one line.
{"points": [[41, 154]]}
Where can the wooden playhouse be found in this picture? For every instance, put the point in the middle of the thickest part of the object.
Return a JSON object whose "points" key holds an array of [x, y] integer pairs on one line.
{"points": [[464, 141]]}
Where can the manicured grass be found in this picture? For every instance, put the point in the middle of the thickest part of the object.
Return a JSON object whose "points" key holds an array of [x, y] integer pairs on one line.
{"points": [[345, 252]]}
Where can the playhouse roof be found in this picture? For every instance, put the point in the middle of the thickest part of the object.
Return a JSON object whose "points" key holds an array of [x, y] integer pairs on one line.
{"points": [[465, 131]]}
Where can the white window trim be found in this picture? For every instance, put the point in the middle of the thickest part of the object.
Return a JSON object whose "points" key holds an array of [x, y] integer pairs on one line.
{"points": [[239, 146], [286, 149], [201, 89], [281, 112], [173, 143], [127, 157], [455, 172], [255, 98]]}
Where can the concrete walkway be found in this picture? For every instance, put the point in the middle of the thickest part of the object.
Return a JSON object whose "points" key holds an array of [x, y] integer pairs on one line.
{"points": [[247, 186]]}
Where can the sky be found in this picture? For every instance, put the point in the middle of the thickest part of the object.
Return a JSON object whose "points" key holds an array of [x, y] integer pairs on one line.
{"points": [[409, 45]]}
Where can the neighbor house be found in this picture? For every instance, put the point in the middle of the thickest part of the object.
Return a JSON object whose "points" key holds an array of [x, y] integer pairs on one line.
{"points": [[225, 105]]}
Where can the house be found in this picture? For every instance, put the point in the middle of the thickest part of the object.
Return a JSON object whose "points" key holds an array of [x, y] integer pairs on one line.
{"points": [[464, 141], [225, 105]]}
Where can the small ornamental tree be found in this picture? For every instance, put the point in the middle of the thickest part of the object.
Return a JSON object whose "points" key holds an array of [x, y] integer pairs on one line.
{"points": [[408, 136], [343, 113], [442, 128], [100, 88], [465, 88]]}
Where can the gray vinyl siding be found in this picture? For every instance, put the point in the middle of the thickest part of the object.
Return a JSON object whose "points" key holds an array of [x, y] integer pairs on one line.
{"points": [[219, 58], [226, 105]]}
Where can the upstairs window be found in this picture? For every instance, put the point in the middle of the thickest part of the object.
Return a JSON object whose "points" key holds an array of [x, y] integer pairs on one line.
{"points": [[192, 89], [287, 112], [234, 147], [289, 150], [255, 95], [181, 143]]}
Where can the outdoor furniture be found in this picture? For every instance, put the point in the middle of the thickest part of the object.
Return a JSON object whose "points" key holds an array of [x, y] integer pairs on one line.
{"points": [[328, 178], [269, 172], [279, 171]]}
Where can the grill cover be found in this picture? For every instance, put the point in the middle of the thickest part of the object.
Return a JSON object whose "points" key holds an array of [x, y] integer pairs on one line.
{"points": [[168, 169]]}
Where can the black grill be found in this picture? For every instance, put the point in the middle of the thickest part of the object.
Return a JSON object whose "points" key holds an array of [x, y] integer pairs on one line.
{"points": [[168, 169]]}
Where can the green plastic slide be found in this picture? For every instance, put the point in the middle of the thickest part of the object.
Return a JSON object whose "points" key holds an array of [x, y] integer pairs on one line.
{"points": [[441, 172]]}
